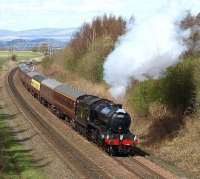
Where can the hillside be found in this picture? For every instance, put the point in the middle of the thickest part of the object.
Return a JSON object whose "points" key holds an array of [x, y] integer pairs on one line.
{"points": [[165, 111], [23, 40], [24, 44]]}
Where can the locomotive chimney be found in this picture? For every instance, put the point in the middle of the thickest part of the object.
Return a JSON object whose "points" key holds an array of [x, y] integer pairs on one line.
{"points": [[119, 105]]}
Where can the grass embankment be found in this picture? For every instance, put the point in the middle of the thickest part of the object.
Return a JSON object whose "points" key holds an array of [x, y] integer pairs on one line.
{"points": [[15, 162], [165, 112], [2, 61]]}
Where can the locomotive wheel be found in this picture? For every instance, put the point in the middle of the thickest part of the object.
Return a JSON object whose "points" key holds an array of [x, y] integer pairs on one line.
{"points": [[92, 135], [66, 118], [99, 141], [109, 150]]}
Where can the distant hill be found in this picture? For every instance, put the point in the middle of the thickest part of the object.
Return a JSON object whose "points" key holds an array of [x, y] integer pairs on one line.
{"points": [[24, 44], [5, 32], [26, 39]]}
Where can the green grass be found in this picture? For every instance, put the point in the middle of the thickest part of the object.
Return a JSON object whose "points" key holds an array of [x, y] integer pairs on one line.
{"points": [[2, 61], [21, 55], [15, 161]]}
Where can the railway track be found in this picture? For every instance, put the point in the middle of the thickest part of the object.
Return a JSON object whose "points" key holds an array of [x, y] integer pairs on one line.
{"points": [[138, 168], [72, 157], [86, 168]]}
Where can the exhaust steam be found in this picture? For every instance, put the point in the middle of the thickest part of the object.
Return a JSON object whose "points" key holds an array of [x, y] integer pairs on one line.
{"points": [[151, 44]]}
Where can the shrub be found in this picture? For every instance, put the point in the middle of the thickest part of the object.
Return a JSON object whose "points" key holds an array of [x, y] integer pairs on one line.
{"points": [[196, 101], [47, 62], [176, 90], [142, 95], [164, 125], [14, 57]]}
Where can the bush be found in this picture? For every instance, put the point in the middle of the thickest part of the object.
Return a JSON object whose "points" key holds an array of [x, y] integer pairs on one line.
{"points": [[178, 87], [176, 90], [14, 57], [166, 125], [47, 62], [142, 95], [196, 101]]}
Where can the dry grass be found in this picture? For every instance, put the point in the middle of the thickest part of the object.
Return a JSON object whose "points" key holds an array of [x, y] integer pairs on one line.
{"points": [[183, 150], [56, 71]]}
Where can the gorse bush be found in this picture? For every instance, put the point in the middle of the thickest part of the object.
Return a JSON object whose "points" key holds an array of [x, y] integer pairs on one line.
{"points": [[178, 87], [176, 90], [196, 77], [142, 95]]}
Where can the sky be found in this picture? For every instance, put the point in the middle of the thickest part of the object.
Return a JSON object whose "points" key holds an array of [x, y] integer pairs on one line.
{"points": [[29, 14], [32, 14]]}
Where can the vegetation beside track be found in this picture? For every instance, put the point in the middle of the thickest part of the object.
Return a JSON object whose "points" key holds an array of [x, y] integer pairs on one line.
{"points": [[15, 161]]}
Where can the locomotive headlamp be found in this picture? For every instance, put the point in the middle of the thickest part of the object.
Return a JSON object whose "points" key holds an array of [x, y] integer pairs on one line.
{"points": [[121, 137], [137, 141]]}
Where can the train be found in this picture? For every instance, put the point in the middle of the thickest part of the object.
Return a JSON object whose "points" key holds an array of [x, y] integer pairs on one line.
{"points": [[99, 120]]}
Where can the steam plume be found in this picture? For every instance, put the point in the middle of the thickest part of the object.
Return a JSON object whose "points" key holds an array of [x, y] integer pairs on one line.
{"points": [[150, 45]]}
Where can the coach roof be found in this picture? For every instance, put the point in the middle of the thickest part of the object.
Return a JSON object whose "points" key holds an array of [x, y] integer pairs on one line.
{"points": [[69, 91], [24, 67], [33, 73], [39, 78], [51, 83]]}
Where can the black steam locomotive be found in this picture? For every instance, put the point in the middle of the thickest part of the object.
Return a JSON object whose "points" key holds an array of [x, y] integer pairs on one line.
{"points": [[106, 123]]}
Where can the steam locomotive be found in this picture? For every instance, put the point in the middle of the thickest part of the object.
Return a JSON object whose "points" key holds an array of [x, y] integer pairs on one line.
{"points": [[100, 120]]}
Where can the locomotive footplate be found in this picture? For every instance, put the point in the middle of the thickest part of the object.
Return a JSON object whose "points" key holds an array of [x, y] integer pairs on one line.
{"points": [[123, 149]]}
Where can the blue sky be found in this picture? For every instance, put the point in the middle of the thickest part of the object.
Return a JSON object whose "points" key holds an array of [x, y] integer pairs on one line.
{"points": [[29, 14]]}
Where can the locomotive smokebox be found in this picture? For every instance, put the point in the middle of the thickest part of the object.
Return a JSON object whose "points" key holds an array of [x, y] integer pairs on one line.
{"points": [[119, 122]]}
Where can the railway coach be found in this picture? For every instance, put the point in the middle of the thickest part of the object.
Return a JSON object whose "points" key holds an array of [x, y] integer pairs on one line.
{"points": [[59, 98]]}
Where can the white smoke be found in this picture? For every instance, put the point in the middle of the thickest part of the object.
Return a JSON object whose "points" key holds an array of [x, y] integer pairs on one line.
{"points": [[151, 44]]}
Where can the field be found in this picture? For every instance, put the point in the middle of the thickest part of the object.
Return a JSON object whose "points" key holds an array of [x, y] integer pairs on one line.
{"points": [[21, 55]]}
